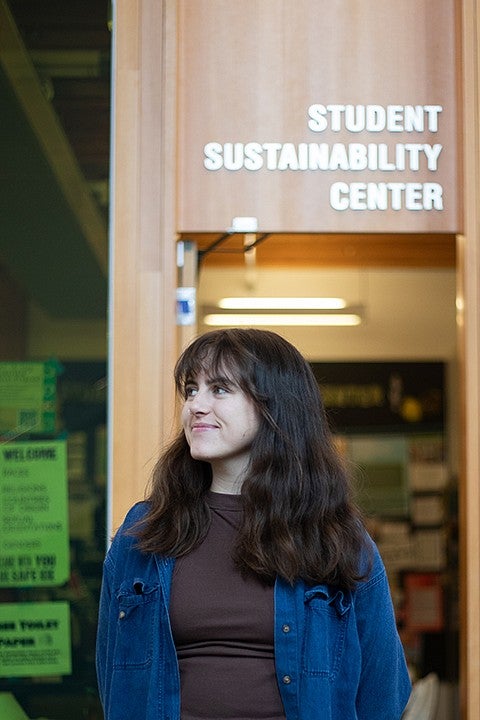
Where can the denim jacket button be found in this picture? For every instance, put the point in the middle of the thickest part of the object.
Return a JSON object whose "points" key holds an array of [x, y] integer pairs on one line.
{"points": [[286, 628], [121, 614], [286, 679]]}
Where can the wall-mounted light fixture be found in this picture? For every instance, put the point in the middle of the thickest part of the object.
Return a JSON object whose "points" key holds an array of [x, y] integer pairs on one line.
{"points": [[282, 319], [286, 311], [282, 303]]}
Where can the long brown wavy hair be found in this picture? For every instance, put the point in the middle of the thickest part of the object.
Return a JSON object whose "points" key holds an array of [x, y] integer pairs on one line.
{"points": [[299, 519]]}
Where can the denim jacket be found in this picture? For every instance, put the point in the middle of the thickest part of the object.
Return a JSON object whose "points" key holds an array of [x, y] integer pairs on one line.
{"points": [[337, 653]]}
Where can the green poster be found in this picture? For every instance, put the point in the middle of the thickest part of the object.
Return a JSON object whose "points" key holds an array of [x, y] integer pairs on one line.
{"points": [[9, 707], [34, 547], [35, 639], [28, 395]]}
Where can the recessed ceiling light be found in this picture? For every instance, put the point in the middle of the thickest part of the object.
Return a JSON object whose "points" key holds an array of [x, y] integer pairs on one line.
{"points": [[279, 319], [282, 303]]}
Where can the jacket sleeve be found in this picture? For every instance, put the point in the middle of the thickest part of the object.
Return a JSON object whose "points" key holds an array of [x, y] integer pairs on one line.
{"points": [[114, 567], [384, 687], [103, 627]]}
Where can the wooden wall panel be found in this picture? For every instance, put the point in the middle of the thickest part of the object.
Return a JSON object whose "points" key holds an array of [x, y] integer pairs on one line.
{"points": [[469, 344], [249, 71], [430, 250], [142, 322]]}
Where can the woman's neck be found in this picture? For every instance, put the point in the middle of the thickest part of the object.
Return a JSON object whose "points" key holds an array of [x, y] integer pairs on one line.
{"points": [[226, 486], [228, 475]]}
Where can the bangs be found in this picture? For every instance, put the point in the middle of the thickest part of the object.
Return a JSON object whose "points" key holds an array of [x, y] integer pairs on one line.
{"points": [[216, 357]]}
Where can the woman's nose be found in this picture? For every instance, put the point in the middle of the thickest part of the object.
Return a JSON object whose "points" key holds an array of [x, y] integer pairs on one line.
{"points": [[198, 403], [195, 411]]}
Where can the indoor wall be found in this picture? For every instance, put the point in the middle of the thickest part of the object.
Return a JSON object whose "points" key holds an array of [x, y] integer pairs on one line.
{"points": [[408, 313]]}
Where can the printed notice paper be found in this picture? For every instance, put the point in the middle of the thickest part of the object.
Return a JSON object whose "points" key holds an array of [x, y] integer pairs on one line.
{"points": [[33, 514], [28, 393], [34, 639]]}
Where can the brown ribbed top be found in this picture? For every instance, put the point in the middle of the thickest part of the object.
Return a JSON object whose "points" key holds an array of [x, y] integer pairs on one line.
{"points": [[222, 625]]}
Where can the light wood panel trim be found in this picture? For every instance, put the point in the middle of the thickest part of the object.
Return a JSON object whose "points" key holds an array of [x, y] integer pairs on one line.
{"points": [[142, 324], [469, 333], [326, 250]]}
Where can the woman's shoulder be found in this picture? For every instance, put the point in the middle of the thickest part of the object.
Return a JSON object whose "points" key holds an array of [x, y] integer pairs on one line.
{"points": [[371, 564], [136, 513], [134, 517], [125, 538]]}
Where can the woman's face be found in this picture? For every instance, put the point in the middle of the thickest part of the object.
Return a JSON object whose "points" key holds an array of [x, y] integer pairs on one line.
{"points": [[220, 422]]}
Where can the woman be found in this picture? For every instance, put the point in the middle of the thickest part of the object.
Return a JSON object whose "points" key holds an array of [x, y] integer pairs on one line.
{"points": [[246, 587]]}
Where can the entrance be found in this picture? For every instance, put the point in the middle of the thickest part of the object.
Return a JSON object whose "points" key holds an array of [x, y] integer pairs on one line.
{"points": [[164, 157]]}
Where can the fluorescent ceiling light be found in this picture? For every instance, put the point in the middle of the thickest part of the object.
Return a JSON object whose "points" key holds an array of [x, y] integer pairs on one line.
{"points": [[282, 303], [279, 319]]}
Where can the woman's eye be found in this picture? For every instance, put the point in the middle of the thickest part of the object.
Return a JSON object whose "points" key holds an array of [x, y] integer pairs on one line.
{"points": [[219, 390], [190, 391]]}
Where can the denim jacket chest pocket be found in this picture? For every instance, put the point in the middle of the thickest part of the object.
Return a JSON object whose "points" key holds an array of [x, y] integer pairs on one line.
{"points": [[326, 620], [137, 622]]}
